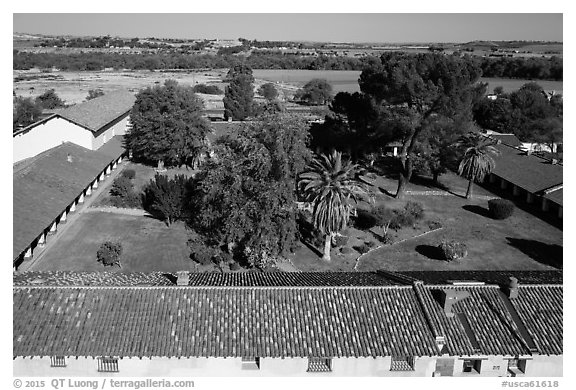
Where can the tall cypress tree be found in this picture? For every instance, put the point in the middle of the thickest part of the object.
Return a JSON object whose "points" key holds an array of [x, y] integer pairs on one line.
{"points": [[239, 95]]}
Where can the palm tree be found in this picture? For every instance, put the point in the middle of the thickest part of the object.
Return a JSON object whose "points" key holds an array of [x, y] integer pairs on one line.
{"points": [[477, 161], [330, 185]]}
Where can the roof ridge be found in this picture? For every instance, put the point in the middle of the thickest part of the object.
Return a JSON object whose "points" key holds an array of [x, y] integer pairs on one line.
{"points": [[212, 287]]}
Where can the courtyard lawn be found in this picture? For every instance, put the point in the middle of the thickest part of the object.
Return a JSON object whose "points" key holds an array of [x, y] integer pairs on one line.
{"points": [[522, 242], [148, 245]]}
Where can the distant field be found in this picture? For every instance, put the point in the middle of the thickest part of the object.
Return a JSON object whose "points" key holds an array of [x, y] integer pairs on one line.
{"points": [[347, 80], [73, 87]]}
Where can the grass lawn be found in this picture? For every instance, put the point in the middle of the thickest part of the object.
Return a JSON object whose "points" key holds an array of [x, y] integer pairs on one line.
{"points": [[148, 245], [522, 242]]}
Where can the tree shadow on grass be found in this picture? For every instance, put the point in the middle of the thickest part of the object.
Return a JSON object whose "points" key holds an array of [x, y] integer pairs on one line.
{"points": [[477, 210], [431, 252], [548, 254]]}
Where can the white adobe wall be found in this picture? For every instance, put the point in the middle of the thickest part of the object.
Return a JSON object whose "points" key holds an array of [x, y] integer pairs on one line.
{"points": [[494, 366], [217, 367], [118, 129], [47, 135]]}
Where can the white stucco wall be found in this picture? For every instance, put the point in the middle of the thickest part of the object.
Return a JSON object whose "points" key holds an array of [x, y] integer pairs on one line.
{"points": [[217, 367], [117, 129], [493, 366], [47, 135]]}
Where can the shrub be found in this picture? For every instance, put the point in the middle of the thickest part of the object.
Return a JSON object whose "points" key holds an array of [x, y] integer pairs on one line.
{"points": [[415, 209], [365, 247], [109, 253], [433, 225], [121, 187], [453, 250], [500, 208], [365, 220], [129, 173], [386, 239], [340, 241], [165, 198], [382, 216], [402, 218], [130, 201], [201, 253]]}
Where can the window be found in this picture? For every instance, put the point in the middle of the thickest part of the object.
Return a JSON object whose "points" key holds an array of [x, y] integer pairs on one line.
{"points": [[517, 366], [107, 364], [319, 365], [250, 363], [472, 366], [402, 363], [57, 361]]}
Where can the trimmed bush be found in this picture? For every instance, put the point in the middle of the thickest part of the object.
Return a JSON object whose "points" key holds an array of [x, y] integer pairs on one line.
{"points": [[433, 225], [109, 253], [415, 209], [453, 250], [365, 220], [500, 208], [129, 173]]}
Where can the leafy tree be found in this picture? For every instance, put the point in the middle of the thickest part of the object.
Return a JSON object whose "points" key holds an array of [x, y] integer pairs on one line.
{"points": [[268, 91], [412, 91], [94, 93], [166, 198], [238, 98], [26, 112], [477, 161], [498, 90], [330, 185], [245, 196], [315, 92], [49, 100], [167, 125]]}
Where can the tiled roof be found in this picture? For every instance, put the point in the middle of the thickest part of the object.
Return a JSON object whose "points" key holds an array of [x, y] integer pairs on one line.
{"points": [[493, 330], [242, 279], [114, 147], [540, 308], [489, 277], [556, 196], [99, 112], [46, 184], [281, 315], [219, 322], [532, 173]]}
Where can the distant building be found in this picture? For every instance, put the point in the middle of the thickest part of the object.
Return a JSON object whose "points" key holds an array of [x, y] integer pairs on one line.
{"points": [[90, 124], [288, 324]]}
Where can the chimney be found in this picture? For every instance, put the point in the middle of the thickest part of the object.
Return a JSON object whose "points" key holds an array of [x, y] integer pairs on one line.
{"points": [[450, 297], [554, 161], [498, 141], [183, 278], [512, 288], [69, 158], [528, 152]]}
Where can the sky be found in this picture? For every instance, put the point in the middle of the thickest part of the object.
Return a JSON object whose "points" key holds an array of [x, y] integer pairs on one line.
{"points": [[340, 27]]}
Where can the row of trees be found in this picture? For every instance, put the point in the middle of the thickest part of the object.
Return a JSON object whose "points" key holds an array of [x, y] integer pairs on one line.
{"points": [[518, 67]]}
